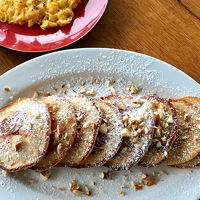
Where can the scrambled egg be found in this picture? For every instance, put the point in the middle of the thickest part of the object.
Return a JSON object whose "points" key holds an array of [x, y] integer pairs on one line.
{"points": [[46, 13]]}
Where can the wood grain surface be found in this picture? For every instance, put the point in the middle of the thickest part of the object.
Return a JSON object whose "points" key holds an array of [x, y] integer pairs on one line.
{"points": [[166, 29]]}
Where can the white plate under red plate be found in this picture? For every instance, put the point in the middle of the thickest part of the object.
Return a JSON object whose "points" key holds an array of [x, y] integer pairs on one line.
{"points": [[22, 38], [72, 66]]}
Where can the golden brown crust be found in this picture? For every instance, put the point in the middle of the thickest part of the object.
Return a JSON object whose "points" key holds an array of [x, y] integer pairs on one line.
{"points": [[88, 127], [164, 134], [63, 131], [140, 125], [24, 134], [109, 138], [187, 144], [194, 163]]}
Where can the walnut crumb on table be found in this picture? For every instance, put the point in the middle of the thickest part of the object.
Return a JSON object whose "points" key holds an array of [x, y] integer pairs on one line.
{"points": [[133, 89], [45, 175], [79, 190], [106, 175], [122, 194], [7, 89]]}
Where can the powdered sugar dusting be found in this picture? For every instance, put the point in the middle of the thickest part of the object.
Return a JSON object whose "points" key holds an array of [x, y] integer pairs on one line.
{"points": [[25, 121]]}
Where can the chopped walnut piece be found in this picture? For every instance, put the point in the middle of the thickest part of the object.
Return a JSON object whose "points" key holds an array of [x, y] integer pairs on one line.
{"points": [[31, 181], [87, 124], [95, 81], [121, 106], [158, 144], [77, 190], [82, 83], [79, 116], [46, 94], [87, 191], [54, 89], [7, 89], [89, 93], [74, 185], [170, 120], [122, 193], [103, 128], [17, 145], [136, 186], [125, 118], [125, 132], [61, 189], [57, 132], [144, 176], [59, 147], [151, 182], [106, 175], [133, 89], [45, 175]]}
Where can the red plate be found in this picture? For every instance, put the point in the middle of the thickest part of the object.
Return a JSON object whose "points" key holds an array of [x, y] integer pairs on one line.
{"points": [[22, 38]]}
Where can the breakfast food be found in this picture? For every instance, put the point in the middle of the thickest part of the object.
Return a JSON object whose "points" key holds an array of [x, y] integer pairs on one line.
{"points": [[88, 123], [165, 131], [116, 131], [187, 144], [109, 138], [138, 130], [46, 13], [194, 163], [63, 131], [24, 134]]}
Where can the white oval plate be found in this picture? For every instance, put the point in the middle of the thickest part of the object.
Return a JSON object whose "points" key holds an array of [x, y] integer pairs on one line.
{"points": [[72, 66]]}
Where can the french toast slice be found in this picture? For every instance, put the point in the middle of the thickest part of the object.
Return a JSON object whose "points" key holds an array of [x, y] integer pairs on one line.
{"points": [[193, 100], [187, 144], [89, 119], [194, 163], [165, 131], [25, 128], [109, 138], [138, 132], [63, 131]]}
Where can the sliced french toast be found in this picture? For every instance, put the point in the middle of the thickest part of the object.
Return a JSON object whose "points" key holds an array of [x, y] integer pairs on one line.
{"points": [[194, 163], [165, 131], [138, 132], [25, 128], [89, 119], [63, 131], [187, 144], [109, 138], [193, 100]]}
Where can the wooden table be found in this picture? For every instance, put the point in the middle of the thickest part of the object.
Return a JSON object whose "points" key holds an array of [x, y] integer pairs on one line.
{"points": [[166, 29]]}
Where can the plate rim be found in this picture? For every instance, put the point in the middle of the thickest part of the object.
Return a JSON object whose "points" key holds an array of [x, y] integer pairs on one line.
{"points": [[17, 67]]}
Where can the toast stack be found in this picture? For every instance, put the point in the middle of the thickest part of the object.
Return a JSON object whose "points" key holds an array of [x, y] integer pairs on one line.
{"points": [[115, 131]]}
